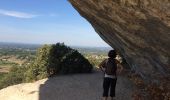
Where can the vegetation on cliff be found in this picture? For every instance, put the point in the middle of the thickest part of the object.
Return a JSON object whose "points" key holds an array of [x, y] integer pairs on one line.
{"points": [[50, 60], [57, 59]]}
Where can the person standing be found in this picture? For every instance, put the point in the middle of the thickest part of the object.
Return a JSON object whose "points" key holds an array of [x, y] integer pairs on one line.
{"points": [[109, 67]]}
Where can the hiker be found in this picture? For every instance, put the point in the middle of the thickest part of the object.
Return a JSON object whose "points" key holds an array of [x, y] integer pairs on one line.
{"points": [[109, 67]]}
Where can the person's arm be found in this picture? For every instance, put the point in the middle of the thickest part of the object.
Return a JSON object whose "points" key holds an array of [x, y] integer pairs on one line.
{"points": [[120, 67], [101, 65]]}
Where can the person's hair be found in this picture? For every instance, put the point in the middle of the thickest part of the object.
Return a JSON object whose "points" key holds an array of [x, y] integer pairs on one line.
{"points": [[112, 54]]}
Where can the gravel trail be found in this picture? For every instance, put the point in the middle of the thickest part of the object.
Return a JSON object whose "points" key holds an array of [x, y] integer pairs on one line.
{"points": [[68, 87]]}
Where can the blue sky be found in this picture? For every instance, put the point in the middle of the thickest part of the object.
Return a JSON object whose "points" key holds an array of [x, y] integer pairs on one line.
{"points": [[45, 22]]}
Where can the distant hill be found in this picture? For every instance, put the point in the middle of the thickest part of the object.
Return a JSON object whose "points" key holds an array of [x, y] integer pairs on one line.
{"points": [[6, 45], [93, 50], [83, 50]]}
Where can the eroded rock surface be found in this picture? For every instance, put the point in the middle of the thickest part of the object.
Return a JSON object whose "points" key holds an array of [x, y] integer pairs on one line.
{"points": [[139, 29]]}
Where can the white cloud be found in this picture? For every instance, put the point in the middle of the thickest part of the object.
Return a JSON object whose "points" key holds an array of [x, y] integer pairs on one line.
{"points": [[53, 15], [16, 14]]}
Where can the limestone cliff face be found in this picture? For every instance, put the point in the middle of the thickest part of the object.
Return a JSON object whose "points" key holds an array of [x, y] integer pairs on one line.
{"points": [[138, 29]]}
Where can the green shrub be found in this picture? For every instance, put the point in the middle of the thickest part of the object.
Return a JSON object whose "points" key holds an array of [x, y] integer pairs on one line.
{"points": [[74, 62], [57, 59], [50, 60], [2, 75]]}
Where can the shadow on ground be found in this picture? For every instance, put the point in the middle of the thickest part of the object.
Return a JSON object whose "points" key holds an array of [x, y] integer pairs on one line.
{"points": [[82, 87]]}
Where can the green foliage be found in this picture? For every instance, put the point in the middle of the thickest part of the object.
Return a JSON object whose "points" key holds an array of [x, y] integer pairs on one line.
{"points": [[74, 62], [7, 63], [57, 59], [2, 75], [50, 60], [95, 60], [15, 76], [38, 69], [14, 51]]}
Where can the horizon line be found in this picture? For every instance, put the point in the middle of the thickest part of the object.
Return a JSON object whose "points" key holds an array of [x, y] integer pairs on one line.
{"points": [[53, 43]]}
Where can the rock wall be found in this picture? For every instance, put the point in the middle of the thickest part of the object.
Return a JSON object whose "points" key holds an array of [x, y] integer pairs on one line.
{"points": [[138, 29]]}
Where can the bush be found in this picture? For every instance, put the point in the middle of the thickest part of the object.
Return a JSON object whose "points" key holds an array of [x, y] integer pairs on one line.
{"points": [[2, 75], [57, 59], [50, 60], [74, 62]]}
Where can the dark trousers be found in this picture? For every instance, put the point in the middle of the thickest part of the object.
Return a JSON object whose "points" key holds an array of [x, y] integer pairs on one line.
{"points": [[109, 84]]}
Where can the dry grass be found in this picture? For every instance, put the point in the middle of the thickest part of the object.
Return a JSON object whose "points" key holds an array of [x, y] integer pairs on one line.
{"points": [[9, 61], [4, 69], [15, 60]]}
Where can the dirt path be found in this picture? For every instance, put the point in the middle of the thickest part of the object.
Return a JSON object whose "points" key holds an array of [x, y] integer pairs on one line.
{"points": [[73, 87]]}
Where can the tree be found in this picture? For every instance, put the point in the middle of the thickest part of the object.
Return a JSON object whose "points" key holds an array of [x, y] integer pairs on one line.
{"points": [[57, 59]]}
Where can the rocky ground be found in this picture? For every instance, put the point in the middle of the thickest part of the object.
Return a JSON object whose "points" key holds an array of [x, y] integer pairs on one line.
{"points": [[69, 87]]}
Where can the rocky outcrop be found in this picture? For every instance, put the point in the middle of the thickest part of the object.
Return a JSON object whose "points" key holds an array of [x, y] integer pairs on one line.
{"points": [[138, 29]]}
